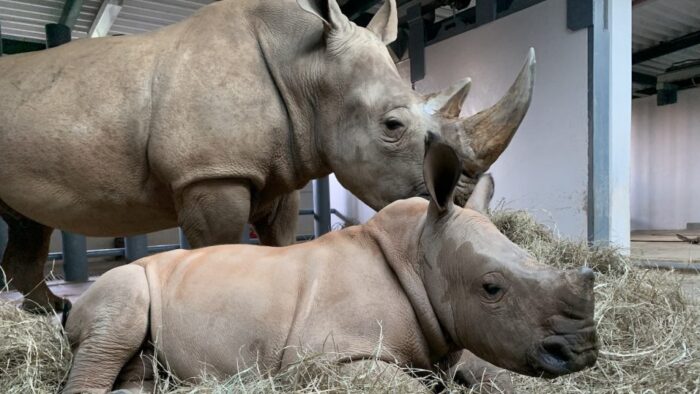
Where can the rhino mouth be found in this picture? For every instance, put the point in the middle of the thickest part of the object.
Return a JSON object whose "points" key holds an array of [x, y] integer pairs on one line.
{"points": [[557, 355]]}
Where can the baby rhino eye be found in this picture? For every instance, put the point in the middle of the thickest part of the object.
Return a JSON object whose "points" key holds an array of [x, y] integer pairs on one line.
{"points": [[491, 289]]}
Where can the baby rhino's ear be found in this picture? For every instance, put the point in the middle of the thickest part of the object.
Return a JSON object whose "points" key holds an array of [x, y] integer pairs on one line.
{"points": [[441, 171], [482, 194]]}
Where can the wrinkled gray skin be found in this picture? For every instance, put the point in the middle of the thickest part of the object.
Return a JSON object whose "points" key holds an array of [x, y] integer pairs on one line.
{"points": [[433, 277], [214, 122]]}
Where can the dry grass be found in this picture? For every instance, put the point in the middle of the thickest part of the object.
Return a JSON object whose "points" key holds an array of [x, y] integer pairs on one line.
{"points": [[648, 330], [649, 333], [34, 353]]}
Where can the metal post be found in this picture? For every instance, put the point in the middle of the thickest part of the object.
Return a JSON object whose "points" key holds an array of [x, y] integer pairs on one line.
{"points": [[3, 245], [74, 245], [610, 67], [3, 237], [322, 206], [245, 237], [485, 11], [57, 34], [135, 247], [416, 41], [1, 51], [183, 239], [75, 264]]}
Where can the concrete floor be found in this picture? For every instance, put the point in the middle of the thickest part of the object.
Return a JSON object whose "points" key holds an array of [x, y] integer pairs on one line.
{"points": [[664, 249]]}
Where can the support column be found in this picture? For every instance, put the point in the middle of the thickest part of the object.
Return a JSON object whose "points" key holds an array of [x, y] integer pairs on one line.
{"points": [[3, 237], [322, 206], [75, 264], [3, 244], [74, 245], [184, 244], [485, 11], [416, 41], [245, 237], [610, 106], [135, 247], [57, 34]]}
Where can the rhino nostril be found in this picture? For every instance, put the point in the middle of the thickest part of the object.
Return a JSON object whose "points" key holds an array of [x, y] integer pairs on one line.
{"points": [[557, 350]]}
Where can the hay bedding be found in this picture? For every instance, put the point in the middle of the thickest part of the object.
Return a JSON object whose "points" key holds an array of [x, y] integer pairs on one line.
{"points": [[649, 333]]}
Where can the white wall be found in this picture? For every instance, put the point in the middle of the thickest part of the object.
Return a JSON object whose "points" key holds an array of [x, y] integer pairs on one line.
{"points": [[665, 187], [545, 168]]}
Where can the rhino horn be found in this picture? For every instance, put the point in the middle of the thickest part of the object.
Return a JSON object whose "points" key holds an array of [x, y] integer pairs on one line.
{"points": [[449, 101], [385, 23], [485, 135]]}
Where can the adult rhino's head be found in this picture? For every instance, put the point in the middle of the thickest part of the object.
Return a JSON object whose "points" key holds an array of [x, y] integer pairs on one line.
{"points": [[489, 295], [373, 126]]}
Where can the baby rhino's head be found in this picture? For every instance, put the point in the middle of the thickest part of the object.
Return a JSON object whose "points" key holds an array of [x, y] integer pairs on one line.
{"points": [[490, 296]]}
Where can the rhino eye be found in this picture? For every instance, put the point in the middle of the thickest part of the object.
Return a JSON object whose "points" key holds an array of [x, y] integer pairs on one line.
{"points": [[394, 124], [492, 289]]}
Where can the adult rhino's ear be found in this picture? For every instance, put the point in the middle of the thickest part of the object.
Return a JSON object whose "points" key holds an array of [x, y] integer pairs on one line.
{"points": [[385, 23], [448, 102], [482, 194], [441, 171], [328, 11]]}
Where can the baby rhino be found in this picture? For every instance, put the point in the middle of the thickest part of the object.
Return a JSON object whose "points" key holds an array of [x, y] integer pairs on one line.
{"points": [[433, 278]]}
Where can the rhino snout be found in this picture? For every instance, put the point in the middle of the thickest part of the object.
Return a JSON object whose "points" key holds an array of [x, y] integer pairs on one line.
{"points": [[562, 354]]}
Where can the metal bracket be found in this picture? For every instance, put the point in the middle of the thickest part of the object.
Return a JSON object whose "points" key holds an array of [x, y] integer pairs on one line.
{"points": [[666, 93], [485, 11], [57, 34], [416, 42], [579, 14]]}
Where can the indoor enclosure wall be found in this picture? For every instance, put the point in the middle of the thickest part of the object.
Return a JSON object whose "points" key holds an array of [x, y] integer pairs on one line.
{"points": [[665, 186]]}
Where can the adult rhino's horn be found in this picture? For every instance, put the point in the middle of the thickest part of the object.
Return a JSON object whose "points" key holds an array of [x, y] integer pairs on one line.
{"points": [[489, 131]]}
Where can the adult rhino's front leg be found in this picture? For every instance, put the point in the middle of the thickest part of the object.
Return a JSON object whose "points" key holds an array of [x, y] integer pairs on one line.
{"points": [[278, 226], [214, 212]]}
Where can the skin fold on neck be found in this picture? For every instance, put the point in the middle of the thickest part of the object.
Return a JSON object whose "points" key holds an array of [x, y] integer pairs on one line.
{"points": [[399, 241], [296, 73]]}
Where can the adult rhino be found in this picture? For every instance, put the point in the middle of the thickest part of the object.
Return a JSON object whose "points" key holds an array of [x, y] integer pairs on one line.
{"points": [[214, 121], [430, 278]]}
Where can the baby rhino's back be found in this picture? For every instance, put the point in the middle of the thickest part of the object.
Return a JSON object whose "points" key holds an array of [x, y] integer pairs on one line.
{"points": [[224, 307]]}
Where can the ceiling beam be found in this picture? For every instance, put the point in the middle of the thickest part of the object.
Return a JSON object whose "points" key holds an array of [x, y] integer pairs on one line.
{"points": [[11, 46], [636, 3], [354, 8], [71, 11], [108, 13], [667, 47]]}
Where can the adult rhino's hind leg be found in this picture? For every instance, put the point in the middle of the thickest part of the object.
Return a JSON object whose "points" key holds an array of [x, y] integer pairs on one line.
{"points": [[107, 327], [24, 259]]}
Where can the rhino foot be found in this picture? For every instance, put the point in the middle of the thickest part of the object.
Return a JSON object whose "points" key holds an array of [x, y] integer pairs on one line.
{"points": [[45, 305]]}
